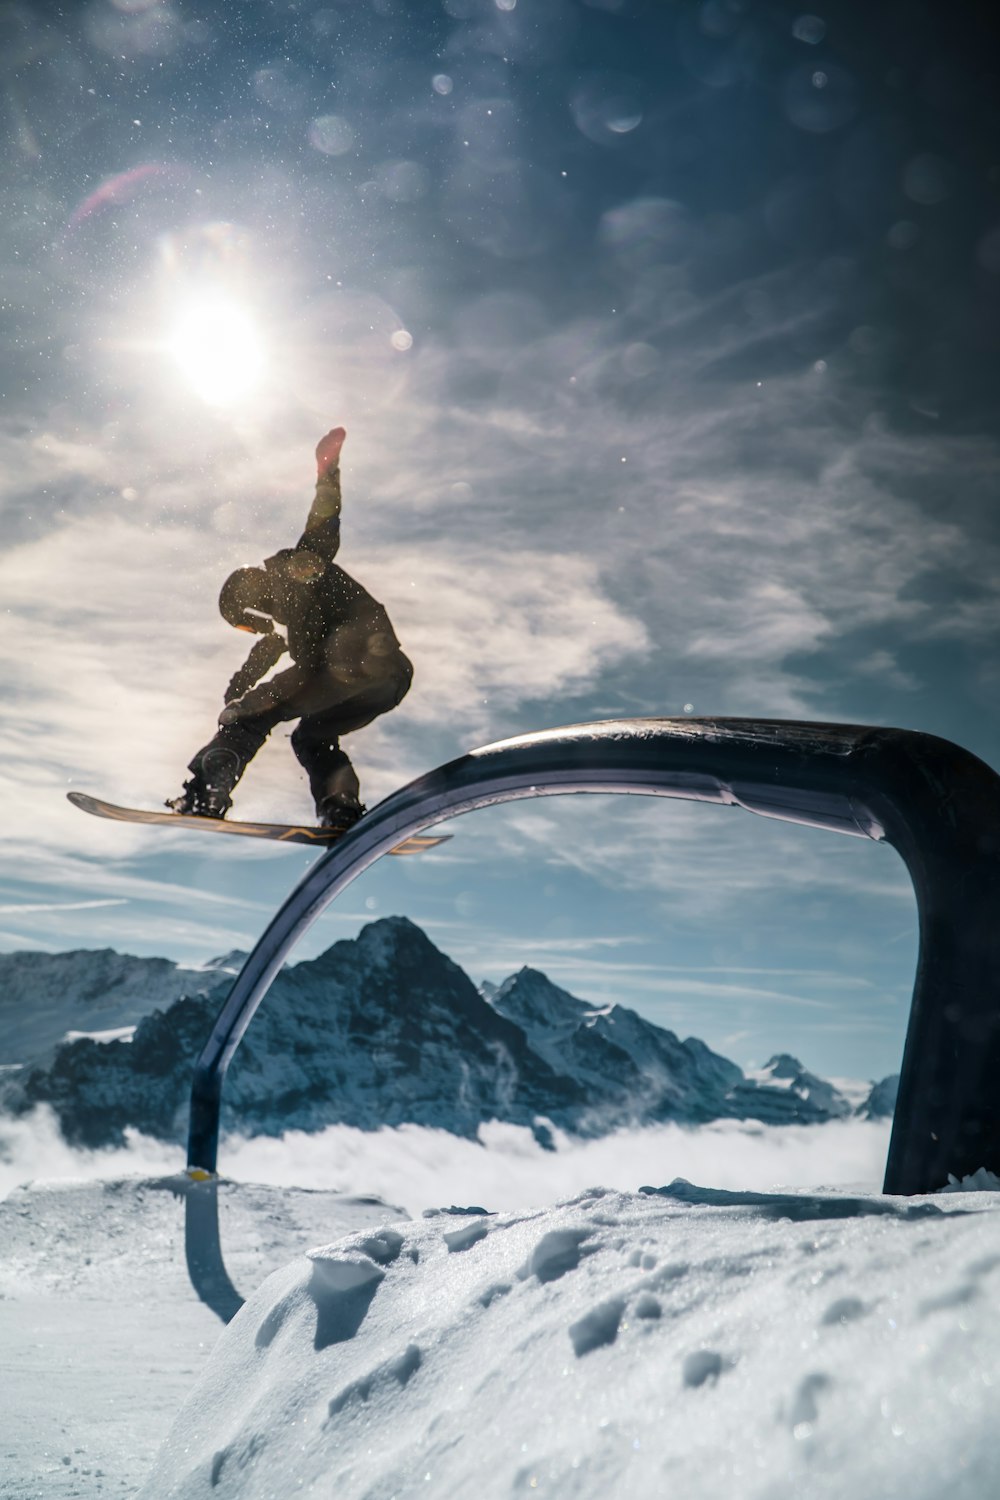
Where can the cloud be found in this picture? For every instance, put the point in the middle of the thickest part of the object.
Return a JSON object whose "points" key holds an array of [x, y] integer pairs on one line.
{"points": [[883, 667], [611, 493], [116, 658], [704, 858], [421, 1168], [503, 631], [23, 907]]}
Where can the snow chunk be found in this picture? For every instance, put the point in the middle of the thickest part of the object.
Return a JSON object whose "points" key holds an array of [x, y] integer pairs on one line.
{"points": [[980, 1181]]}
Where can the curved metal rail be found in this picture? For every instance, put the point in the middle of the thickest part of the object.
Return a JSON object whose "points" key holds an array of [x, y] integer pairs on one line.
{"points": [[931, 800]]}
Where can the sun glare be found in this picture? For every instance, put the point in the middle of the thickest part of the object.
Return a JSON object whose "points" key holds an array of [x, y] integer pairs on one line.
{"points": [[218, 349]]}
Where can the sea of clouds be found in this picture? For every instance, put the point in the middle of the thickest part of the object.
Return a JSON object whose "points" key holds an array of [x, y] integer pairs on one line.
{"points": [[416, 1168]]}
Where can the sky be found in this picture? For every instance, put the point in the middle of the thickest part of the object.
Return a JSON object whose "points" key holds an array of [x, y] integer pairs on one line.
{"points": [[665, 335]]}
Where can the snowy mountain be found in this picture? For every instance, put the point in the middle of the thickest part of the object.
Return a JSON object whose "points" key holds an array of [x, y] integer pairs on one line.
{"points": [[45, 995], [881, 1102], [381, 1030], [783, 1092], [627, 1064]]}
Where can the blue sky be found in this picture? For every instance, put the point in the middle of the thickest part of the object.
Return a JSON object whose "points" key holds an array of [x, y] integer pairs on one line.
{"points": [[666, 337]]}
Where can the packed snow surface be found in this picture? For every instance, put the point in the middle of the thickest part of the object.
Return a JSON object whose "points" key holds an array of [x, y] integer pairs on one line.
{"points": [[691, 1341], [101, 1335], [683, 1341]]}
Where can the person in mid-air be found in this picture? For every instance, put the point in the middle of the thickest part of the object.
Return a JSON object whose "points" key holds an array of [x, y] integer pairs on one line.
{"points": [[347, 665]]}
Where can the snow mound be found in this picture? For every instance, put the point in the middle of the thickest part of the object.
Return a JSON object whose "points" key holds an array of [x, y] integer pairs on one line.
{"points": [[681, 1340]]}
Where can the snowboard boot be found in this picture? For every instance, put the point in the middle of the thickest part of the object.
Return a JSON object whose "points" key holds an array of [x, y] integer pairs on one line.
{"points": [[216, 770], [340, 811]]}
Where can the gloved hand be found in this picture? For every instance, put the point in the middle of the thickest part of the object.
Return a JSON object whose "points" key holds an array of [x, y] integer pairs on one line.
{"points": [[261, 659]]}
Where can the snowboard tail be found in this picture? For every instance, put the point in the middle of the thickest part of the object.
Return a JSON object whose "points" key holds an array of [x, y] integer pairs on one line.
{"points": [[281, 833]]}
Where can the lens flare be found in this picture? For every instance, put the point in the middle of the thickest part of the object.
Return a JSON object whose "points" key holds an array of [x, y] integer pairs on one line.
{"points": [[216, 345]]}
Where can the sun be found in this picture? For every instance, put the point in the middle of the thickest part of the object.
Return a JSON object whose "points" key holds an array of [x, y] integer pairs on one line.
{"points": [[218, 348]]}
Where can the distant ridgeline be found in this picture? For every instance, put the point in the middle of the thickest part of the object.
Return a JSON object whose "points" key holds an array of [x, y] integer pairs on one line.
{"points": [[380, 1030]]}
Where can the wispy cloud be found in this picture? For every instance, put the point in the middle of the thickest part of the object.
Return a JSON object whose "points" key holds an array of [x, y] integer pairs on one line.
{"points": [[619, 509], [523, 562], [23, 907], [704, 858]]}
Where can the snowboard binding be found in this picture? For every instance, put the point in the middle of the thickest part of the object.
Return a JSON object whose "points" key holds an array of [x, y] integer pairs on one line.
{"points": [[200, 801], [340, 811]]}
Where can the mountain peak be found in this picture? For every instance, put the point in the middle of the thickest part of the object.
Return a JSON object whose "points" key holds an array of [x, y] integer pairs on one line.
{"points": [[382, 940], [224, 963], [783, 1065], [533, 1002]]}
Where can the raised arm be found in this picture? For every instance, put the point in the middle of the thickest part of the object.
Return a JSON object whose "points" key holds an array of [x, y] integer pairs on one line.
{"points": [[322, 533]]}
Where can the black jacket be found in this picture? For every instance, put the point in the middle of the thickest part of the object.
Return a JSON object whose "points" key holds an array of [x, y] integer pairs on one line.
{"points": [[331, 621]]}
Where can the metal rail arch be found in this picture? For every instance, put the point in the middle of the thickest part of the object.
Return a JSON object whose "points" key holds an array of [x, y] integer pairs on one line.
{"points": [[934, 802]]}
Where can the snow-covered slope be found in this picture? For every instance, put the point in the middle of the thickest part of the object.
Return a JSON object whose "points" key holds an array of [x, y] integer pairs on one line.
{"points": [[683, 1342], [45, 995], [385, 1029]]}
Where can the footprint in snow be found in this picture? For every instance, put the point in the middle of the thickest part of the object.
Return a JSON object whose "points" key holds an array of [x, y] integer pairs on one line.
{"points": [[804, 1411], [647, 1306], [490, 1295], [557, 1252], [844, 1310], [273, 1321], [242, 1456], [597, 1328], [466, 1237], [383, 1247], [956, 1296], [984, 1266], [702, 1366], [342, 1286], [399, 1370]]}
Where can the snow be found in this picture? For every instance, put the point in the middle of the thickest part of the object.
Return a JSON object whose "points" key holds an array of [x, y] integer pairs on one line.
{"points": [[763, 1345], [112, 1034], [694, 1341], [734, 1339], [101, 1336]]}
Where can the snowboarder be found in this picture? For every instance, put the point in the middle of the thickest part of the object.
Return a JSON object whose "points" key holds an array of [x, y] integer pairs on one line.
{"points": [[347, 665]]}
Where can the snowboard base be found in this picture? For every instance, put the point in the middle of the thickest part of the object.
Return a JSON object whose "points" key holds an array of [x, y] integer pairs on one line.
{"points": [[281, 833]]}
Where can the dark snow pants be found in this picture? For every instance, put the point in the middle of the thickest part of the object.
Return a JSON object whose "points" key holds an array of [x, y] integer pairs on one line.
{"points": [[327, 707]]}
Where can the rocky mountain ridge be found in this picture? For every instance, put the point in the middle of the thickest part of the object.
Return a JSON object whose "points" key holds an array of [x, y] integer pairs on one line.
{"points": [[45, 995], [385, 1029]]}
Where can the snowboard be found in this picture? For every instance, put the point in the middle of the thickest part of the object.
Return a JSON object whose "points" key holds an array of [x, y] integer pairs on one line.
{"points": [[282, 833]]}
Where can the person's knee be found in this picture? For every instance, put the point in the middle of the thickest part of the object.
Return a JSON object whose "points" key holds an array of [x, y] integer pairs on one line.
{"points": [[300, 739], [309, 742]]}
